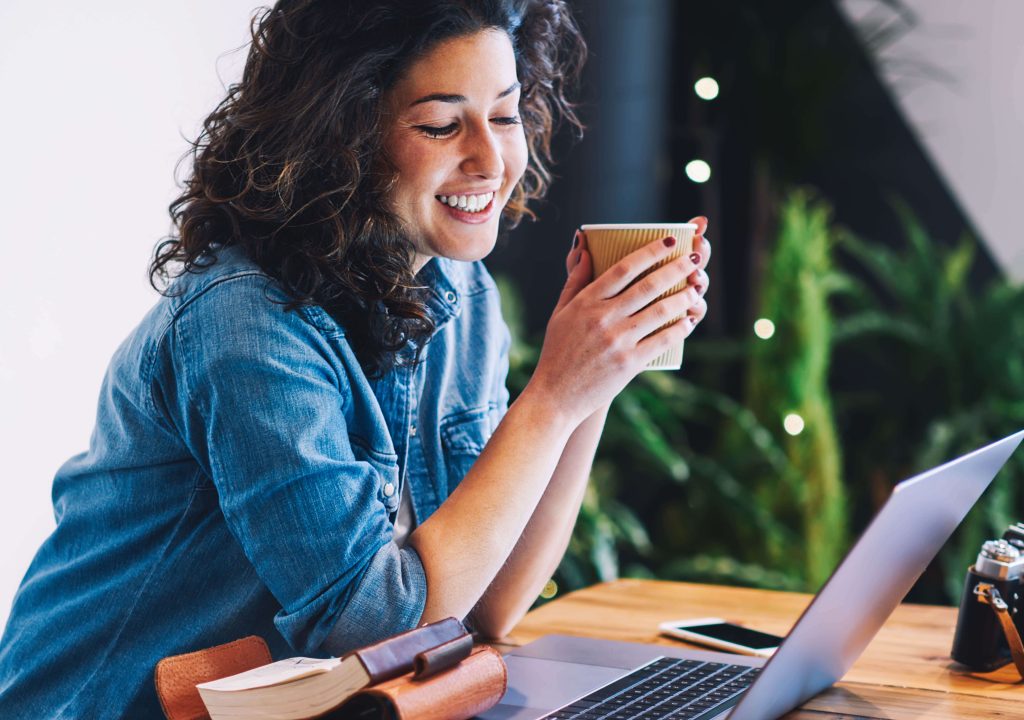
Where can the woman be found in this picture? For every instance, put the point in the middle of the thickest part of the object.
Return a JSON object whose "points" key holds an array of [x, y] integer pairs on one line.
{"points": [[307, 438]]}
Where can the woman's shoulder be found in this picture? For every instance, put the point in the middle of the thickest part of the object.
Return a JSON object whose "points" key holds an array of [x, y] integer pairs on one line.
{"points": [[225, 272], [229, 301]]}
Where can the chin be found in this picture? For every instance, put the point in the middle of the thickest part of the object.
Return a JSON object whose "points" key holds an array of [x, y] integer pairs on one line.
{"points": [[468, 254], [467, 251]]}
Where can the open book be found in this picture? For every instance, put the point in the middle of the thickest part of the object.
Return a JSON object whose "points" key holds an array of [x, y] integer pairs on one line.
{"points": [[430, 672]]}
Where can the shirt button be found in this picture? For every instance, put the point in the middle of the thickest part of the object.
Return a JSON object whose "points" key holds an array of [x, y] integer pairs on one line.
{"points": [[451, 297], [412, 430], [389, 489]]}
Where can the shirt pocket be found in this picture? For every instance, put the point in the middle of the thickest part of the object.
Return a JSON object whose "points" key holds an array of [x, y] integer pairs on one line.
{"points": [[463, 436]]}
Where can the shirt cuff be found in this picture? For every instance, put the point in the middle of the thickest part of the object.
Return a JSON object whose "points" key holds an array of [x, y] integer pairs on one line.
{"points": [[388, 598]]}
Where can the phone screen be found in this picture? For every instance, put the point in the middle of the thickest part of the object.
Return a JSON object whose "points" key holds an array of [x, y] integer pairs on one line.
{"points": [[735, 634]]}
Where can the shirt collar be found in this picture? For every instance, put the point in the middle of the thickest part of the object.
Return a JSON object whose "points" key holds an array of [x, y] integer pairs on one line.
{"points": [[444, 289]]}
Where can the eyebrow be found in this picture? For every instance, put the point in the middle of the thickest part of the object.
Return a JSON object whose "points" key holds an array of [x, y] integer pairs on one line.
{"points": [[449, 98]]}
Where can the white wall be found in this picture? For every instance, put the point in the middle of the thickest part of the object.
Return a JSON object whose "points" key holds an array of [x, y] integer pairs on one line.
{"points": [[94, 98], [971, 122]]}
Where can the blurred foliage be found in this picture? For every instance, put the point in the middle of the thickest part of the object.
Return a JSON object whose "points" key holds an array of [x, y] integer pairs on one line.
{"points": [[647, 467], [944, 361], [691, 483], [788, 373]]}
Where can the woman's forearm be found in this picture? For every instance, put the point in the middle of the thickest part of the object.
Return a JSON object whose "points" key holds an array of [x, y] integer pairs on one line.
{"points": [[546, 537], [465, 543]]}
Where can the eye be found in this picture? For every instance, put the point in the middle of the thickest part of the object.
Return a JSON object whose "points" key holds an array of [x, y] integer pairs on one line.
{"points": [[438, 132], [507, 120]]}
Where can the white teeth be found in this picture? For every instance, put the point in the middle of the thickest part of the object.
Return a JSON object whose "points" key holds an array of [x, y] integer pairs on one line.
{"points": [[467, 203]]}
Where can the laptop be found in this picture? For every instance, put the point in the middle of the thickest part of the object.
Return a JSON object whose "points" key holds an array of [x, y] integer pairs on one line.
{"points": [[561, 677]]}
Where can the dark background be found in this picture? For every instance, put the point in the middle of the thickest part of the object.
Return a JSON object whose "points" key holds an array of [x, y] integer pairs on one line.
{"points": [[801, 105]]}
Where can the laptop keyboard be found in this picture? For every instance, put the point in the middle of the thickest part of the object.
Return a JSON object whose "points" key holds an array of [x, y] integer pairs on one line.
{"points": [[664, 688]]}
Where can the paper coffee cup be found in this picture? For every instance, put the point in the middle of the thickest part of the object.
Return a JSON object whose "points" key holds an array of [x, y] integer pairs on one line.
{"points": [[610, 243]]}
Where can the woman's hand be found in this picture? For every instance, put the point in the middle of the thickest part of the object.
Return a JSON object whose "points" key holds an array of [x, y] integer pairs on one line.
{"points": [[602, 333]]}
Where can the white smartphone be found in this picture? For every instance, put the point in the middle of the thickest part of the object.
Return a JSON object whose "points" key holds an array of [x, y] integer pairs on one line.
{"points": [[721, 635]]}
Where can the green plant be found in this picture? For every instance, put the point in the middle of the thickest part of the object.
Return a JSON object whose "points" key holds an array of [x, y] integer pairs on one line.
{"points": [[788, 378], [945, 358], [915, 362]]}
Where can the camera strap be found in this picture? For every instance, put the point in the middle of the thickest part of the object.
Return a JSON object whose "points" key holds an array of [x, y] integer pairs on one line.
{"points": [[987, 594]]}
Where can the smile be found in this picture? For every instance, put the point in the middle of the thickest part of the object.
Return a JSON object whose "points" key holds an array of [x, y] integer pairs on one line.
{"points": [[467, 203]]}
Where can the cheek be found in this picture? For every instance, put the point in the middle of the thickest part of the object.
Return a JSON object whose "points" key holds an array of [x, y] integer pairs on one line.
{"points": [[517, 155], [415, 164]]}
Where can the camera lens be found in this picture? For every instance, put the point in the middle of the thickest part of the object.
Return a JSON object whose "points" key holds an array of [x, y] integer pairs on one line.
{"points": [[1015, 535]]}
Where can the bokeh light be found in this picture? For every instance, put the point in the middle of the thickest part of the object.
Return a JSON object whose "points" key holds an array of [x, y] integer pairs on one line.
{"points": [[698, 171], [764, 328], [793, 424], [706, 88]]}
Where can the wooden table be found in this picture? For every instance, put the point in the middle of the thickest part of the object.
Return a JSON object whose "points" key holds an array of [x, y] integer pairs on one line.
{"points": [[905, 672]]}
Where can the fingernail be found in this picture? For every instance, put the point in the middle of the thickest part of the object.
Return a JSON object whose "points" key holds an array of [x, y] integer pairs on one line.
{"points": [[695, 258], [576, 240], [692, 319], [699, 288], [669, 241]]}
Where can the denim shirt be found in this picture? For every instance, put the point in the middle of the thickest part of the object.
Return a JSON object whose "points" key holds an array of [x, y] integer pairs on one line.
{"points": [[243, 478]]}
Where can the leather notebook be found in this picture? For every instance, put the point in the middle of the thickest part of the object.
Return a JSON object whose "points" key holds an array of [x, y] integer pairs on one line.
{"points": [[432, 672]]}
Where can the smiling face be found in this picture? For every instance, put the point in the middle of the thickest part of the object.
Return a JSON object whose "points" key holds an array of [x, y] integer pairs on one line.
{"points": [[458, 145]]}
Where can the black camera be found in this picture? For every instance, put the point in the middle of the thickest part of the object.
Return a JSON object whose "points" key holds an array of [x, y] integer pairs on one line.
{"points": [[991, 608]]}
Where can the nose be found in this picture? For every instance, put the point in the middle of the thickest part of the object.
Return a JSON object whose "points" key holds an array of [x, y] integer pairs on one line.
{"points": [[482, 154]]}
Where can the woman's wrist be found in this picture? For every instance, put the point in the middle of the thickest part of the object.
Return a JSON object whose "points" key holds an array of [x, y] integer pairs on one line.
{"points": [[547, 410]]}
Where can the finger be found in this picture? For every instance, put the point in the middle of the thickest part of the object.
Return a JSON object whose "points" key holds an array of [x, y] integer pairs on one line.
{"points": [[660, 313], [697, 311], [665, 339], [699, 281], [574, 252], [671, 275], [702, 247], [616, 278], [579, 277], [702, 224]]}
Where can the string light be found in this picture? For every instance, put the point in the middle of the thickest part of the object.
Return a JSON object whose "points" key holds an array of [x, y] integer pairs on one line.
{"points": [[698, 171], [764, 328], [793, 424], [706, 88]]}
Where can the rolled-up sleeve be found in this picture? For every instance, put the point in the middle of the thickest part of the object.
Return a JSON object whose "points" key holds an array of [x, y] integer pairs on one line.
{"points": [[260, 400]]}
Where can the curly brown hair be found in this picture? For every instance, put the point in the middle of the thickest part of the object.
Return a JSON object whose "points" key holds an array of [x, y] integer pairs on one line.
{"points": [[291, 165]]}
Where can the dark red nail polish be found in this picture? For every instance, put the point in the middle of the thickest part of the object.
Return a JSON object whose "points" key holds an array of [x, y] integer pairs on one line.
{"points": [[669, 241], [699, 288], [695, 258]]}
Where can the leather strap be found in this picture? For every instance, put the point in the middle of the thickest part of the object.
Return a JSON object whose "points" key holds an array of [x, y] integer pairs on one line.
{"points": [[990, 596], [430, 662], [393, 657]]}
